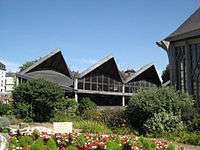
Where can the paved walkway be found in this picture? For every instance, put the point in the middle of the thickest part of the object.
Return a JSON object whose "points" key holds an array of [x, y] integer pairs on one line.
{"points": [[191, 147], [3, 142]]}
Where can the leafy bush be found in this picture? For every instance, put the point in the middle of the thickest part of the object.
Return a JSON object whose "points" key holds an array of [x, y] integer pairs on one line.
{"points": [[4, 121], [195, 125], [4, 108], [92, 126], [65, 110], [114, 118], [13, 143], [51, 144], [164, 122], [147, 102], [70, 147], [86, 105], [36, 98], [38, 145], [147, 144], [25, 141], [113, 145], [171, 147]]}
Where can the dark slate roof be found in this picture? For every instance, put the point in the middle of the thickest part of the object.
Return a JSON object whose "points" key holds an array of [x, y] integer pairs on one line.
{"points": [[10, 74], [52, 68], [52, 76], [190, 28], [106, 65], [53, 61], [148, 73], [2, 66]]}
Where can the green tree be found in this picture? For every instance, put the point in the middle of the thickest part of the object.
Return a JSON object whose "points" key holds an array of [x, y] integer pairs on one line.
{"points": [[27, 64], [35, 99]]}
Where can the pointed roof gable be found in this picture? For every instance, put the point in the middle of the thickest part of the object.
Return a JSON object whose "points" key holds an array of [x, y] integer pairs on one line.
{"points": [[190, 28], [53, 61], [148, 73], [106, 65]]}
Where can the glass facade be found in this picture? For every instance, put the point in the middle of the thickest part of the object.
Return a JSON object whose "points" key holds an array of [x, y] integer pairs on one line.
{"points": [[99, 82], [133, 86]]}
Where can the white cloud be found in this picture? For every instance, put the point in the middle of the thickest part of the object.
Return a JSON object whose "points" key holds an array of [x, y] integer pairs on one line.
{"points": [[10, 66]]}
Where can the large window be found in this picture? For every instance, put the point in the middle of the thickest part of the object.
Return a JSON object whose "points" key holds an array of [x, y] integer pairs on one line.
{"points": [[132, 87], [180, 68], [99, 82], [195, 66]]}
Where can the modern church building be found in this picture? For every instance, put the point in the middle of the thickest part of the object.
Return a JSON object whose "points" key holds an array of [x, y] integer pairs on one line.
{"points": [[183, 49], [103, 82]]}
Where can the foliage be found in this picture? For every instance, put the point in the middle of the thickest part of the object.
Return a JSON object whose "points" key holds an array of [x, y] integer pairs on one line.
{"points": [[92, 126], [65, 110], [25, 141], [147, 144], [51, 144], [27, 64], [114, 118], [70, 147], [195, 125], [38, 145], [114, 144], [13, 143], [171, 147], [86, 105], [166, 74], [36, 98], [147, 102], [81, 140], [4, 108], [164, 122], [4, 121]]}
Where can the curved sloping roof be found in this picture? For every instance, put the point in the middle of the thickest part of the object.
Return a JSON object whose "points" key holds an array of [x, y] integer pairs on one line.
{"points": [[148, 73], [52, 68], [53, 61], [107, 65], [190, 28]]}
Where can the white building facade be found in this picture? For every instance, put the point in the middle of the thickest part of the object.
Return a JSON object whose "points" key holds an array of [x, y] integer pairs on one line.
{"points": [[2, 77]]}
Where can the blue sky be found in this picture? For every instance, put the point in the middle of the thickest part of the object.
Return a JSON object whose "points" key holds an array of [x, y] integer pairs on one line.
{"points": [[87, 30]]}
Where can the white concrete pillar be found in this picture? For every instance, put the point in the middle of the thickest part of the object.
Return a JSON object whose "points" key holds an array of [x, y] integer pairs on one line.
{"points": [[76, 89], [123, 97]]}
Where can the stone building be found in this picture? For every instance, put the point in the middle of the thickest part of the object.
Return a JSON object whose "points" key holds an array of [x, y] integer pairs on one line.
{"points": [[183, 49]]}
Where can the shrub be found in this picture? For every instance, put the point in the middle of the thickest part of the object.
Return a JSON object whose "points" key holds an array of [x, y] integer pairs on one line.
{"points": [[92, 126], [114, 118], [112, 145], [4, 108], [51, 144], [164, 122], [25, 141], [38, 145], [147, 102], [147, 144], [171, 147], [13, 143], [86, 104], [4, 121], [70, 147], [37, 98]]}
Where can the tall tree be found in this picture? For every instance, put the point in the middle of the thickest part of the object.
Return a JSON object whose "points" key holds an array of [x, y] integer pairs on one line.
{"points": [[27, 64]]}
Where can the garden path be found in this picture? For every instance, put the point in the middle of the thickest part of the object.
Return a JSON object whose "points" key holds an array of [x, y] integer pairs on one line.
{"points": [[191, 147]]}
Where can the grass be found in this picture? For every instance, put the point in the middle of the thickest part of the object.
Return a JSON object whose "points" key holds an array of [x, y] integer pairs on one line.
{"points": [[92, 126]]}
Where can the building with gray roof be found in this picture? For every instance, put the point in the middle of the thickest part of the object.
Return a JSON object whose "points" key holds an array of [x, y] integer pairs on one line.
{"points": [[103, 82]]}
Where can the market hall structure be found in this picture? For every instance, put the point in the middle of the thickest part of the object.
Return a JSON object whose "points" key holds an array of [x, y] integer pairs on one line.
{"points": [[183, 49], [103, 82]]}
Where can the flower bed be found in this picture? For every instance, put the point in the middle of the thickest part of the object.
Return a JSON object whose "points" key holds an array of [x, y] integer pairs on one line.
{"points": [[85, 141]]}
